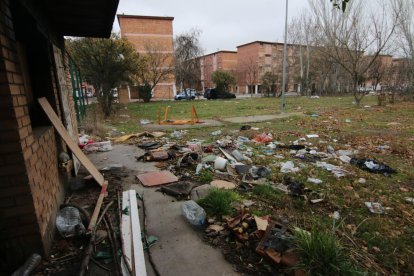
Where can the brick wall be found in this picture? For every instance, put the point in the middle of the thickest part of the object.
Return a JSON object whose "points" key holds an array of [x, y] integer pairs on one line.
{"points": [[19, 232], [152, 33], [222, 60], [30, 188]]}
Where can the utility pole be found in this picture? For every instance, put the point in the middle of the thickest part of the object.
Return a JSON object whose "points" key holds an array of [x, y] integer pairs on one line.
{"points": [[284, 62]]}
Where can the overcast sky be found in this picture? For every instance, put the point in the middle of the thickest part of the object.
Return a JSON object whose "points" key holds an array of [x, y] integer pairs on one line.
{"points": [[225, 24]]}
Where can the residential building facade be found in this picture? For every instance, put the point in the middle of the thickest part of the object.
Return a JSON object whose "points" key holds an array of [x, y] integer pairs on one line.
{"points": [[152, 35], [222, 61]]}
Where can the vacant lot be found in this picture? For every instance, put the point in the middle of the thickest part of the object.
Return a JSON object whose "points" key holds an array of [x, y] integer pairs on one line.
{"points": [[377, 243]]}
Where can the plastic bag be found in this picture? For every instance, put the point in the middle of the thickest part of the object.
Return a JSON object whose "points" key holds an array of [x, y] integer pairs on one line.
{"points": [[69, 222], [193, 212], [263, 138]]}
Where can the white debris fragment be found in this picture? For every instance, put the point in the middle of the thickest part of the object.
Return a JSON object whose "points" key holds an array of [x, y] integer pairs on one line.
{"points": [[314, 180], [312, 135], [288, 167]]}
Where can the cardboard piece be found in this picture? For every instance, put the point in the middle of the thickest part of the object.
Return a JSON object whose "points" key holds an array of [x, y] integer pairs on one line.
{"points": [[157, 178], [221, 184], [69, 142]]}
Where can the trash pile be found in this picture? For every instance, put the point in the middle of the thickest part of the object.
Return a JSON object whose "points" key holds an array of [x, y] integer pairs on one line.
{"points": [[192, 168]]}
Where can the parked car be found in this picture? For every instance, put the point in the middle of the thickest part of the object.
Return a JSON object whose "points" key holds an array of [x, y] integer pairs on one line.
{"points": [[188, 94], [212, 94]]}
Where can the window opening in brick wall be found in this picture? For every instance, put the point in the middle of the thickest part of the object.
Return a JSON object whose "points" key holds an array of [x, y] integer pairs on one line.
{"points": [[33, 50]]}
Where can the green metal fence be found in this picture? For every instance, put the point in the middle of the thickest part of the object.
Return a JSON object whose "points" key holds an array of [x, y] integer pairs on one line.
{"points": [[79, 92]]}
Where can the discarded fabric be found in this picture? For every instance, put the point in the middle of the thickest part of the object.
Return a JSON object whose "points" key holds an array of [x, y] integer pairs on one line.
{"points": [[372, 166]]}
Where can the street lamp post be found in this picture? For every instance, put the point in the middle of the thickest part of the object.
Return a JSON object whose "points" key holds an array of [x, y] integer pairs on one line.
{"points": [[284, 62]]}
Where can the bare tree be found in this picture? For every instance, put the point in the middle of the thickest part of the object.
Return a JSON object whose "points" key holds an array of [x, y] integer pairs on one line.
{"points": [[250, 72], [187, 49], [347, 37], [405, 44], [156, 65]]}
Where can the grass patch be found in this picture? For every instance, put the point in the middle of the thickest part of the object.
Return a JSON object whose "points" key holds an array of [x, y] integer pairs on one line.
{"points": [[205, 176], [219, 202], [321, 253], [265, 191]]}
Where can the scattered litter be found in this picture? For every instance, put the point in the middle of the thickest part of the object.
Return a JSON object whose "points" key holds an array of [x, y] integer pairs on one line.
{"points": [[242, 169], [348, 121], [375, 207], [362, 181], [367, 106], [239, 156], [261, 222], [113, 167], [200, 192], [248, 203], [337, 171], [278, 245], [193, 212], [209, 159], [384, 147], [409, 200], [144, 121], [372, 166], [288, 167], [314, 201], [216, 133], [314, 115], [157, 178], [294, 187], [314, 97], [214, 228], [259, 172], [98, 146], [178, 190], [312, 135], [345, 159], [242, 139], [263, 138], [188, 159], [220, 163], [314, 180], [221, 184], [178, 134], [69, 222], [149, 145], [246, 127], [345, 152]]}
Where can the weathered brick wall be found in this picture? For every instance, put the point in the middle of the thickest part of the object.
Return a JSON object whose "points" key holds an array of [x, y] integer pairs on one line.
{"points": [[222, 60], [47, 191], [19, 232], [30, 188], [151, 33]]}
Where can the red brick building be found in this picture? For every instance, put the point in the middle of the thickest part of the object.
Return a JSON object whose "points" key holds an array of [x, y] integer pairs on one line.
{"points": [[256, 58], [152, 34], [34, 64], [221, 60]]}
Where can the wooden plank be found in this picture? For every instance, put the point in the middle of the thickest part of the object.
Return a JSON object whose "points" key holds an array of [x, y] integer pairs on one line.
{"points": [[98, 205], [71, 144], [137, 248], [126, 230]]}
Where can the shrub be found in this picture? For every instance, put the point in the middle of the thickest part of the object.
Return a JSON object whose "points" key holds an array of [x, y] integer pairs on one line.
{"points": [[321, 253], [219, 202], [145, 93]]}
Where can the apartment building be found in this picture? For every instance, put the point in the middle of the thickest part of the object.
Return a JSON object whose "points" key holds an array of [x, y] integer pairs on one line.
{"points": [[221, 60], [152, 34], [256, 58]]}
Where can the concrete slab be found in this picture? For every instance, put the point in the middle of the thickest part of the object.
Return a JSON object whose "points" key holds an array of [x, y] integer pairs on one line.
{"points": [[179, 249]]}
